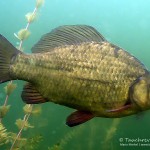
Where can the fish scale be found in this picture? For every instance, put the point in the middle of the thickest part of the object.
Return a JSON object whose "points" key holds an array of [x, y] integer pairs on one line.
{"points": [[98, 85], [76, 67]]}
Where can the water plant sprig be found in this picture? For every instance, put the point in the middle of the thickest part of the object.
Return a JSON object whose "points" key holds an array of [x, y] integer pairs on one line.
{"points": [[110, 133], [22, 124], [10, 137], [3, 135], [22, 35], [64, 141], [9, 88]]}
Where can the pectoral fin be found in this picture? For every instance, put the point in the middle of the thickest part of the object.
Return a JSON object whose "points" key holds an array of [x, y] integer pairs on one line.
{"points": [[31, 96], [120, 109], [78, 117]]}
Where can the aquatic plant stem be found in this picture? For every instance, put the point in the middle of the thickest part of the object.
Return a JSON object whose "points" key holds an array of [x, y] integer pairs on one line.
{"points": [[7, 96], [27, 26], [5, 102], [26, 116], [111, 132], [25, 119], [20, 46]]}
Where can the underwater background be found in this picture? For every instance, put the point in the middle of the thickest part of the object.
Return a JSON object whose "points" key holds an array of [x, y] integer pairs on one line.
{"points": [[122, 22]]}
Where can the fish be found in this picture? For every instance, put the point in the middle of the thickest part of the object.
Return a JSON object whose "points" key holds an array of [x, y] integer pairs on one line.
{"points": [[75, 66]]}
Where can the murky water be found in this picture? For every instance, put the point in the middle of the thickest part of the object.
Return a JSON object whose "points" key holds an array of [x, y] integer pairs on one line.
{"points": [[125, 23]]}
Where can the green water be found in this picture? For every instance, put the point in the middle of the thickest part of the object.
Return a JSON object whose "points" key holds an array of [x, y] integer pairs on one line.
{"points": [[123, 22]]}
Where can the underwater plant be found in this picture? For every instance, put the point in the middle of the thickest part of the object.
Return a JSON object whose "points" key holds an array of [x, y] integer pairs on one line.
{"points": [[9, 88], [3, 135], [22, 35], [110, 133], [65, 140], [33, 142], [22, 124]]}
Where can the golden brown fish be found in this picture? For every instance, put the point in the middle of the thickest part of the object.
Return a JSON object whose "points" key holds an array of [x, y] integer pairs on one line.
{"points": [[76, 67]]}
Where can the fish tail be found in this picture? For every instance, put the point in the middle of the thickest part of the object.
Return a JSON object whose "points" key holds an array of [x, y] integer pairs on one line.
{"points": [[7, 54]]}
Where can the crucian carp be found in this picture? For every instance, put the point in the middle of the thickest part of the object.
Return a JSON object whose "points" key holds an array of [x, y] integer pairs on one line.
{"points": [[77, 67]]}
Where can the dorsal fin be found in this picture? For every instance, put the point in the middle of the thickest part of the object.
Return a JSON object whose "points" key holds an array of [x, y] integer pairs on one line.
{"points": [[67, 35]]}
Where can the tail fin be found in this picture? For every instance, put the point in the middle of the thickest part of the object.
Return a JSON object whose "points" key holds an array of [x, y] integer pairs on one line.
{"points": [[7, 53]]}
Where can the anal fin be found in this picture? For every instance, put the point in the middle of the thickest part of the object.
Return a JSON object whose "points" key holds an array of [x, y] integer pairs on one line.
{"points": [[78, 117], [31, 96]]}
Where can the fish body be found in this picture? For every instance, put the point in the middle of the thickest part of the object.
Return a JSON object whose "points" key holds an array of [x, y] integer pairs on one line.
{"points": [[84, 72]]}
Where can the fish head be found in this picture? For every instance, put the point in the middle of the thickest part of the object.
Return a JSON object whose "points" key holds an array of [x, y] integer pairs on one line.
{"points": [[140, 92]]}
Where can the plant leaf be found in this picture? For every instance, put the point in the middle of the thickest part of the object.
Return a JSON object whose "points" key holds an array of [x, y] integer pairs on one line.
{"points": [[30, 17], [4, 110], [9, 88], [39, 3], [23, 34], [36, 110], [3, 135], [23, 124], [27, 109]]}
